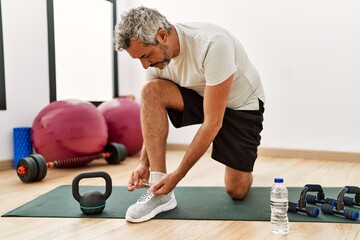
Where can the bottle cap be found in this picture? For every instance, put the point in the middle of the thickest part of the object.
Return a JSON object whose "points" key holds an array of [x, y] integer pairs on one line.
{"points": [[278, 180]]}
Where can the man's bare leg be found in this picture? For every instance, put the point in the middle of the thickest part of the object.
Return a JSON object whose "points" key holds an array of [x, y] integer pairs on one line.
{"points": [[156, 96]]}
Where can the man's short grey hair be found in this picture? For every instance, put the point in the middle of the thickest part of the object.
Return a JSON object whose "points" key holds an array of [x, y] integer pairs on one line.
{"points": [[139, 23]]}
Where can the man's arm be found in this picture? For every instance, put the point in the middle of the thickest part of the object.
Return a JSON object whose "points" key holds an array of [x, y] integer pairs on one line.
{"points": [[215, 100]]}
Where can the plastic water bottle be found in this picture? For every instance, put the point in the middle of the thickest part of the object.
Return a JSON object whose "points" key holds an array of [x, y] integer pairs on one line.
{"points": [[279, 207]]}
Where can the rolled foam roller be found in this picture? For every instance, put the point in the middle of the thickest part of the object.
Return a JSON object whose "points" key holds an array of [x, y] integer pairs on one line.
{"points": [[22, 143]]}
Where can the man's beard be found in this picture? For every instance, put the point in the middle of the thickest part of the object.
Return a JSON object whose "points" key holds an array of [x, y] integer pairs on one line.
{"points": [[167, 58]]}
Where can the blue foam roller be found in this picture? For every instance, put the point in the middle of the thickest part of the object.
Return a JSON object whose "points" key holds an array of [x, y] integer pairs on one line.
{"points": [[22, 143]]}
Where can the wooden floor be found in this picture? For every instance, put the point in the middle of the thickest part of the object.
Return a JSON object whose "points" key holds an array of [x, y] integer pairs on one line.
{"points": [[296, 172]]}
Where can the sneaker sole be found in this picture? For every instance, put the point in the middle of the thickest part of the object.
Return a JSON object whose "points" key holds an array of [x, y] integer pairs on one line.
{"points": [[162, 208]]}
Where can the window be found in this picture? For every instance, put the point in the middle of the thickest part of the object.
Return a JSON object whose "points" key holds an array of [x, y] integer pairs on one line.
{"points": [[82, 60]]}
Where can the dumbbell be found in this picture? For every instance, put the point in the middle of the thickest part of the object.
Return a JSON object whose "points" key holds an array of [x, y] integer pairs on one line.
{"points": [[34, 167], [301, 205], [338, 208]]}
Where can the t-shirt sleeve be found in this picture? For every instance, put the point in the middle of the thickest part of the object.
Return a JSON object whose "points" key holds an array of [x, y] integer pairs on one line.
{"points": [[219, 63]]}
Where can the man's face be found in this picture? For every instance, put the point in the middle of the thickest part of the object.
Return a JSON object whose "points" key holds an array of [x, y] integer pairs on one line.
{"points": [[150, 56]]}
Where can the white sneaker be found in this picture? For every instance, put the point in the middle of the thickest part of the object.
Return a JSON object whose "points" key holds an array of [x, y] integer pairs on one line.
{"points": [[149, 205]]}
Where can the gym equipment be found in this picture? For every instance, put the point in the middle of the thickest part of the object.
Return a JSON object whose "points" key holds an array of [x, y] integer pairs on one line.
{"points": [[69, 128], [310, 211], [92, 202], [122, 116], [301, 205], [22, 143], [312, 199], [320, 198], [338, 208], [34, 167], [348, 201], [59, 203]]}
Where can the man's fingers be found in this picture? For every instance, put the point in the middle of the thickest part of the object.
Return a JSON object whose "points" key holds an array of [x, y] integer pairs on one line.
{"points": [[132, 182], [135, 177], [156, 189], [131, 188]]}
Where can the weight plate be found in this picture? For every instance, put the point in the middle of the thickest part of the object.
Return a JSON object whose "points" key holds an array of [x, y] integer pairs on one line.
{"points": [[30, 168], [41, 164], [118, 153]]}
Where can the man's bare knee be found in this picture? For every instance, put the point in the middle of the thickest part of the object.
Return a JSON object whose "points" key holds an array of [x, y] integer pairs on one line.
{"points": [[237, 193], [151, 90], [237, 183], [163, 92]]}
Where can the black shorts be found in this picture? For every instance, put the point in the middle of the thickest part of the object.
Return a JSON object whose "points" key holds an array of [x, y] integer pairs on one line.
{"points": [[236, 143]]}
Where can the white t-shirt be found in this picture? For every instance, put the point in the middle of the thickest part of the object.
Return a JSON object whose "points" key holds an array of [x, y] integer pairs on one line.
{"points": [[208, 56]]}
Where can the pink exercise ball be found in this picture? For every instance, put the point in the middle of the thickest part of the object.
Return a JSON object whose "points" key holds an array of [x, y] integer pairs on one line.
{"points": [[122, 116], [69, 128]]}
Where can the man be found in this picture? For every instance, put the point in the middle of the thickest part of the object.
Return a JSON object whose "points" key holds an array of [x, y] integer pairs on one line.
{"points": [[200, 74]]}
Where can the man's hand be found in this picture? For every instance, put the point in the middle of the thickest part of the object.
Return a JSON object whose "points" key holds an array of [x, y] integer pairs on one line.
{"points": [[138, 177], [166, 184]]}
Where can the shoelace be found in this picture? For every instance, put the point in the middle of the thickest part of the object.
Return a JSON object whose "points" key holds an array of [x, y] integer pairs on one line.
{"points": [[146, 196]]}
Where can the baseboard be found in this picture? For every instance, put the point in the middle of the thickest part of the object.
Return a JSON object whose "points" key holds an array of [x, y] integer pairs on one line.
{"points": [[310, 154], [6, 165], [292, 153], [263, 152]]}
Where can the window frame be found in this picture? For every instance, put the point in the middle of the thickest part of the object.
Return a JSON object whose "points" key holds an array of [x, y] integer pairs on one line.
{"points": [[52, 61]]}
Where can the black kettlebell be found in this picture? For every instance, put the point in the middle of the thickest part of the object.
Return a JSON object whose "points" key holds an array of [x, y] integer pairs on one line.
{"points": [[92, 202]]}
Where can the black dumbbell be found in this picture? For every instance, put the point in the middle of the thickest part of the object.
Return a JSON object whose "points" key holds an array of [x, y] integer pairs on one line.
{"points": [[34, 167]]}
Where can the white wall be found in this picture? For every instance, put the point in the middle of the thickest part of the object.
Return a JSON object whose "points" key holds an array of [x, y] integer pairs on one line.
{"points": [[307, 53], [26, 66]]}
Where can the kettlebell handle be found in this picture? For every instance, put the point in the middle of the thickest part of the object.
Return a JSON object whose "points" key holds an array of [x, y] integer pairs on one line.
{"points": [[76, 180]]}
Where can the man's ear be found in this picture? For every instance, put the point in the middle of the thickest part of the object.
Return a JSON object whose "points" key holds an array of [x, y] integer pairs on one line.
{"points": [[162, 35]]}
